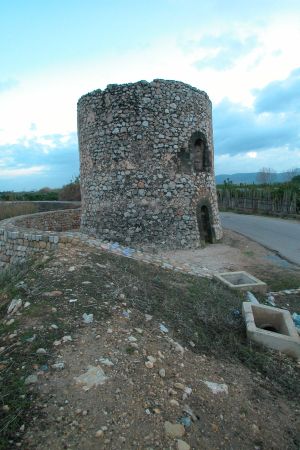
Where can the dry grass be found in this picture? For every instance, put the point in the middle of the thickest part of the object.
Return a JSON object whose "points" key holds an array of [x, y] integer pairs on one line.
{"points": [[7, 211]]}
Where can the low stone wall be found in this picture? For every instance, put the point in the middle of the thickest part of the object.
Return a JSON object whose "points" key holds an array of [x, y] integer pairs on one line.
{"points": [[51, 221], [42, 206], [23, 236], [18, 242]]}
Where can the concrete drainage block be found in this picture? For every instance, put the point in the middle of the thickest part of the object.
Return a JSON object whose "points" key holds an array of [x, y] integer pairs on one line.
{"points": [[241, 280], [272, 327]]}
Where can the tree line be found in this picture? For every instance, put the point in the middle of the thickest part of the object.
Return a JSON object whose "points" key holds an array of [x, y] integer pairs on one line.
{"points": [[69, 192]]}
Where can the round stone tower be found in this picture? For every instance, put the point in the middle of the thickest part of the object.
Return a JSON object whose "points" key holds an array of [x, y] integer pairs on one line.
{"points": [[146, 157]]}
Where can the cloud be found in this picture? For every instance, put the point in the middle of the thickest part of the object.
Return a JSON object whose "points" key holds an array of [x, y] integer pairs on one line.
{"points": [[24, 171], [280, 96], [267, 134], [278, 158], [51, 161], [8, 84], [238, 129], [224, 50], [271, 123]]}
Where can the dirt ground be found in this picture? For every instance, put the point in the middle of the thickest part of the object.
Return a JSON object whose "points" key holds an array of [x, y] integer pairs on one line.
{"points": [[234, 252], [154, 393]]}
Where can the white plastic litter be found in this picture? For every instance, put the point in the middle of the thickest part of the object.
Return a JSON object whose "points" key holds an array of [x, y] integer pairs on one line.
{"points": [[14, 305], [88, 318], [163, 329], [106, 362], [251, 298]]}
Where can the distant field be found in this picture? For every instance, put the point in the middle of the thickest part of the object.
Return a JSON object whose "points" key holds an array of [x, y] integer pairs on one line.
{"points": [[7, 211]]}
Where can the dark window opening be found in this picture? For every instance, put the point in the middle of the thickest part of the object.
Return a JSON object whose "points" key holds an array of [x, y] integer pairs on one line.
{"points": [[199, 153], [196, 157]]}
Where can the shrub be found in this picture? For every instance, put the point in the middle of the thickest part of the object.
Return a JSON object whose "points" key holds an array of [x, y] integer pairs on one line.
{"points": [[71, 191]]}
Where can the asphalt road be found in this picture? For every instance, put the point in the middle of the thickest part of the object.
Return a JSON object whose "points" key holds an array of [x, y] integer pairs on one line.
{"points": [[280, 235]]}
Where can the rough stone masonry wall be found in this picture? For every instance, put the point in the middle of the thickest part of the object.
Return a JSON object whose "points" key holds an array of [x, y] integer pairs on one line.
{"points": [[136, 141], [23, 236], [41, 206]]}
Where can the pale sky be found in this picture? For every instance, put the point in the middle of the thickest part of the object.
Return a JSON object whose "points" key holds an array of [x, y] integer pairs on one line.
{"points": [[244, 54]]}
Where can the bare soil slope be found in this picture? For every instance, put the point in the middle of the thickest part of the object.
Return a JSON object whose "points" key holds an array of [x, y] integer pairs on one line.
{"points": [[156, 336]]}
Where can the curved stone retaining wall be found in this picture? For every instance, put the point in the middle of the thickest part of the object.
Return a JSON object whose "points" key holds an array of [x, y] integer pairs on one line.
{"points": [[43, 205], [23, 236], [51, 221], [18, 242]]}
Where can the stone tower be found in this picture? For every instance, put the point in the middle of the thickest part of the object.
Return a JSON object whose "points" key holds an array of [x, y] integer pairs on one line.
{"points": [[146, 156]]}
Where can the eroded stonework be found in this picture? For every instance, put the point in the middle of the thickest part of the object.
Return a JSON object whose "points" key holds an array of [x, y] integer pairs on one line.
{"points": [[146, 155]]}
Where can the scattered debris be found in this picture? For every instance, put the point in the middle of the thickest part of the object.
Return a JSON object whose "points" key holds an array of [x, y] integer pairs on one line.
{"points": [[52, 294], [99, 434], [186, 409], [217, 388], [102, 266], [162, 373], [182, 445], [139, 330], [31, 379], [14, 306], [41, 351], [128, 251], [174, 430], [149, 364], [88, 318], [185, 421], [27, 304], [163, 328], [58, 365], [271, 300], [296, 320], [106, 361], [151, 359], [174, 402], [178, 347], [10, 322], [236, 312], [67, 338], [93, 377], [251, 298]]}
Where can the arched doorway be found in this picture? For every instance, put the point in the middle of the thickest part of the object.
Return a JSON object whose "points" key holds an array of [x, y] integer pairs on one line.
{"points": [[204, 219]]}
